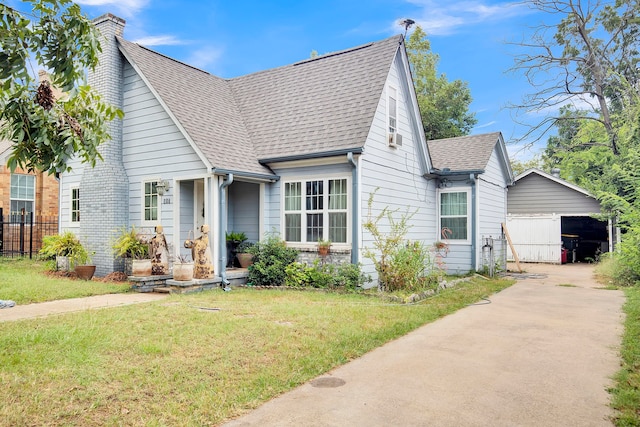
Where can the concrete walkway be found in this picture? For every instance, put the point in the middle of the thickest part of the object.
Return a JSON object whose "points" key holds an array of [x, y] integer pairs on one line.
{"points": [[539, 354], [28, 311]]}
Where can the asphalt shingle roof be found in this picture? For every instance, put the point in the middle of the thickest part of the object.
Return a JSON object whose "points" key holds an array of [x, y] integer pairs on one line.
{"points": [[464, 152], [313, 106]]}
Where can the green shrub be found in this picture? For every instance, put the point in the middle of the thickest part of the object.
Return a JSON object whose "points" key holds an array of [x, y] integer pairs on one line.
{"points": [[65, 244], [400, 263], [130, 244], [345, 276], [270, 259]]}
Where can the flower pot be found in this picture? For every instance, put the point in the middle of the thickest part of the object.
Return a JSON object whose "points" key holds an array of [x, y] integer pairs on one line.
{"points": [[62, 263], [245, 259], [141, 267], [323, 250], [183, 271], [85, 272]]}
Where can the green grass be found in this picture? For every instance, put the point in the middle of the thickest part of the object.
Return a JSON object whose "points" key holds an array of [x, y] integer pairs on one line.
{"points": [[172, 363], [23, 281], [626, 392]]}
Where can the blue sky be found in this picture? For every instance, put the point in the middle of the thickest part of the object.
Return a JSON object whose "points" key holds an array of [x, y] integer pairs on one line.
{"points": [[231, 38]]}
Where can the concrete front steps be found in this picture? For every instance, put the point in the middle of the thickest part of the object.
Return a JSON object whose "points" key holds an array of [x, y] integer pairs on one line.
{"points": [[166, 284]]}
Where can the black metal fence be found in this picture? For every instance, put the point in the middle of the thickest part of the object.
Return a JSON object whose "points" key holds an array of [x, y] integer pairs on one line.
{"points": [[21, 234]]}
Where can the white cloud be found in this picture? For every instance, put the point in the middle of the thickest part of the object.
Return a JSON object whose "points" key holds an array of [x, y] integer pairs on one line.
{"points": [[204, 57], [126, 8], [491, 123], [443, 18], [162, 40]]}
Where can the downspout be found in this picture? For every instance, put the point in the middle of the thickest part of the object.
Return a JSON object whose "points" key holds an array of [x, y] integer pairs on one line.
{"points": [[472, 177], [222, 225], [354, 211]]}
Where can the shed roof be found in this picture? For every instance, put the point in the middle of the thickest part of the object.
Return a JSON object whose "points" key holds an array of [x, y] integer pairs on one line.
{"points": [[319, 105]]}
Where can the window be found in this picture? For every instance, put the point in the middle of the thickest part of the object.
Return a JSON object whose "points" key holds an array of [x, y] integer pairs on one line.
{"points": [[151, 201], [392, 110], [23, 191], [454, 214], [316, 209], [75, 205]]}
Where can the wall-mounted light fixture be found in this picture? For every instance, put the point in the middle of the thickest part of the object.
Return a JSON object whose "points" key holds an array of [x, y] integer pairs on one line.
{"points": [[162, 187], [444, 183]]}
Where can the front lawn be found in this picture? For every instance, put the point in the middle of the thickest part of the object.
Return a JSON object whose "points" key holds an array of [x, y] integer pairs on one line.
{"points": [[24, 281], [196, 359]]}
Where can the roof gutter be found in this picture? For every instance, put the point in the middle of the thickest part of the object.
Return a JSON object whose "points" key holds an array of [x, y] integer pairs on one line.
{"points": [[436, 173], [257, 176], [334, 153], [222, 226]]}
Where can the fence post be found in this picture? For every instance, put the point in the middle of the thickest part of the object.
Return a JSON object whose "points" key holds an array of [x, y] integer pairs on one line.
{"points": [[22, 232], [30, 235], [1, 232]]}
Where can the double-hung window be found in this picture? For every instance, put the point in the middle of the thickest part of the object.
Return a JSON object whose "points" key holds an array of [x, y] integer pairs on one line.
{"points": [[316, 209], [151, 201], [75, 205], [23, 194], [393, 108], [455, 215]]}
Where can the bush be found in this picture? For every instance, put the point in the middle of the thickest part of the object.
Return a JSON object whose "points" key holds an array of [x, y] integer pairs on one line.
{"points": [[326, 276], [270, 259], [130, 244], [65, 244]]}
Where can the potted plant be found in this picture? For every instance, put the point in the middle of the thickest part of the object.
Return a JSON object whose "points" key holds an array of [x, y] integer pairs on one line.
{"points": [[245, 259], [323, 247], [182, 268], [134, 248], [69, 253], [234, 239]]}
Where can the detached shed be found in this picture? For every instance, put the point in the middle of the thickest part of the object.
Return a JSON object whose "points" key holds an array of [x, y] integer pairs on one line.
{"points": [[546, 214]]}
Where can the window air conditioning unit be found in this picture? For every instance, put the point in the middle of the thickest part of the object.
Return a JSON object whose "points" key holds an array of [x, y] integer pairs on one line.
{"points": [[395, 139]]}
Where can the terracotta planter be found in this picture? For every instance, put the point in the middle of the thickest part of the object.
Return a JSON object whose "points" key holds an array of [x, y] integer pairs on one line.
{"points": [[323, 250], [141, 267], [85, 272], [183, 272], [244, 259]]}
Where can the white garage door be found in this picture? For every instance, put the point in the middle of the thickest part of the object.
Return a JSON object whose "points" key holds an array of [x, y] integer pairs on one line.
{"points": [[535, 238]]}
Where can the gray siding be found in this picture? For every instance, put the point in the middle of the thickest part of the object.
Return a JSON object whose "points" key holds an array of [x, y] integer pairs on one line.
{"points": [[492, 202], [153, 147], [395, 174], [535, 194], [244, 209]]}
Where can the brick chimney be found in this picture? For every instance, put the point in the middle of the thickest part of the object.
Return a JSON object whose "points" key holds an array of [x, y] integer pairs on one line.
{"points": [[104, 190]]}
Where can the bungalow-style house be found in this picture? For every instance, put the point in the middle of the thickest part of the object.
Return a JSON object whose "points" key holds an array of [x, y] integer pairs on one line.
{"points": [[551, 220], [296, 150]]}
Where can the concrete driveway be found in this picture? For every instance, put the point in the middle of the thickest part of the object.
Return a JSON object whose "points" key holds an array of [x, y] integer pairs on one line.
{"points": [[539, 354]]}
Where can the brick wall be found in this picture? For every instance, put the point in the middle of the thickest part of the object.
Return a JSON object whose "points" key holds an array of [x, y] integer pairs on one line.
{"points": [[104, 190], [47, 192]]}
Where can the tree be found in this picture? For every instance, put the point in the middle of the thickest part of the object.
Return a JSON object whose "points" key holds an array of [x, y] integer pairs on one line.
{"points": [[444, 105], [47, 132], [588, 60]]}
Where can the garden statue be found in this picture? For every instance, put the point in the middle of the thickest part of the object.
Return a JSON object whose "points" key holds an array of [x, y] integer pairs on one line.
{"points": [[201, 254], [159, 253]]}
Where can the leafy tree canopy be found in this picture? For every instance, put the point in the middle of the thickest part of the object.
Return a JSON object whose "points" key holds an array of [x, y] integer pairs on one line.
{"points": [[444, 105], [46, 132]]}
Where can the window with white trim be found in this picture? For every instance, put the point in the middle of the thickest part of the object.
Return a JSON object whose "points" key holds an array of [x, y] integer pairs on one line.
{"points": [[393, 110], [151, 201], [75, 205], [22, 194], [316, 209], [454, 215]]}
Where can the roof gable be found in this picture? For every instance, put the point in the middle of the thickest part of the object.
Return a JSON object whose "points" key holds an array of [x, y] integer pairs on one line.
{"points": [[468, 153], [314, 106], [535, 171]]}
